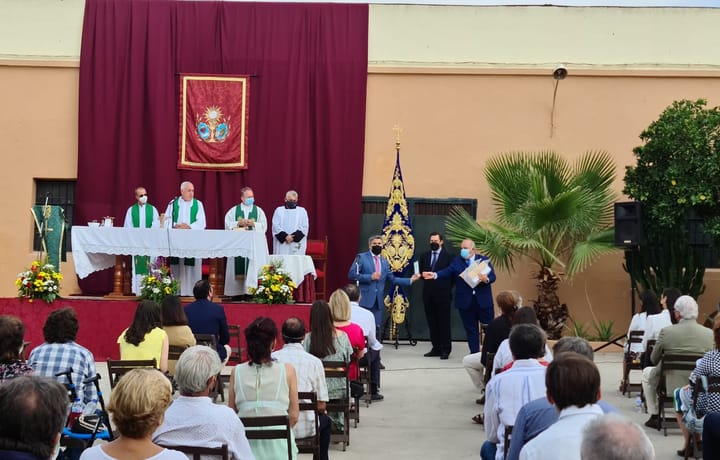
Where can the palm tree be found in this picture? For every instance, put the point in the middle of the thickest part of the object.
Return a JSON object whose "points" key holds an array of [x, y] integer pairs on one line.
{"points": [[557, 215]]}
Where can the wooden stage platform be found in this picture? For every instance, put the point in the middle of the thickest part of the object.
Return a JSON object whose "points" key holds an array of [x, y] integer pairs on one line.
{"points": [[102, 321]]}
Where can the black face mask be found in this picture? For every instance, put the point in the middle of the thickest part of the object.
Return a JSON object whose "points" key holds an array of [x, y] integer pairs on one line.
{"points": [[290, 204], [377, 250], [434, 246]]}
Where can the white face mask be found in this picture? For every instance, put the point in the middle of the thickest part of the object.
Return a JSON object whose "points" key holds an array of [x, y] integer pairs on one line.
{"points": [[143, 199]]}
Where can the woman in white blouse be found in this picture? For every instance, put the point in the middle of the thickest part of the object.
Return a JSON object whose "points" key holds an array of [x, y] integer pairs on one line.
{"points": [[657, 318]]}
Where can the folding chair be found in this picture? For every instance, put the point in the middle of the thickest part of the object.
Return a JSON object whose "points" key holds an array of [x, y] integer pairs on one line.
{"points": [[119, 367], [339, 370], [679, 367], [310, 444], [235, 348], [269, 427], [713, 386], [631, 363], [70, 439], [365, 379], [198, 453]]}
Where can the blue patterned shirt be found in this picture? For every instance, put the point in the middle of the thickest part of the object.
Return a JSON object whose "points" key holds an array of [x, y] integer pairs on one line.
{"points": [[50, 358]]}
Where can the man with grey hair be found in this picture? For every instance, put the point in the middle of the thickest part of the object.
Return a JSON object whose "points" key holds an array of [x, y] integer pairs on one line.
{"points": [[614, 437], [370, 270], [537, 415], [193, 419], [685, 337], [290, 227], [186, 213]]}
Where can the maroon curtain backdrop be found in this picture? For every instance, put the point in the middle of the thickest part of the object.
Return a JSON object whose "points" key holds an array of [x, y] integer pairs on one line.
{"points": [[307, 125]]}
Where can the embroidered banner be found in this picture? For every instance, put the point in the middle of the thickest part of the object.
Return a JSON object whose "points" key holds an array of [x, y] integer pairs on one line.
{"points": [[214, 113]]}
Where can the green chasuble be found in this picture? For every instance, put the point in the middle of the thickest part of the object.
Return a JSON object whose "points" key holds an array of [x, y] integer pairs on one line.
{"points": [[193, 217], [241, 263], [141, 262]]}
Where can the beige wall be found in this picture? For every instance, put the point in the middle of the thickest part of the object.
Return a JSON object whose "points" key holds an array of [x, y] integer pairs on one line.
{"points": [[464, 83]]}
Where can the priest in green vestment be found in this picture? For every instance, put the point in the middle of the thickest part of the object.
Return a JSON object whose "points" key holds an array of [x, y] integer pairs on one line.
{"points": [[141, 215], [186, 213], [246, 216]]}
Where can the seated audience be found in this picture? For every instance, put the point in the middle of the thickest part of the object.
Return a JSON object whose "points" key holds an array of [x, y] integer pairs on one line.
{"points": [[707, 366], [206, 317], [638, 322], [263, 387], [503, 358], [327, 343], [573, 386], [12, 331], [175, 325], [667, 299], [193, 419], [537, 415], [137, 405], [614, 437], [340, 309], [310, 378], [508, 391], [61, 353], [656, 320], [498, 330], [145, 338], [363, 318], [34, 411], [685, 337]]}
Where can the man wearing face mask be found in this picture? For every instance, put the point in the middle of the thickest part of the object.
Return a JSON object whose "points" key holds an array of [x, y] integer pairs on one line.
{"points": [[475, 304], [436, 297], [370, 270], [246, 216], [290, 226], [141, 215]]}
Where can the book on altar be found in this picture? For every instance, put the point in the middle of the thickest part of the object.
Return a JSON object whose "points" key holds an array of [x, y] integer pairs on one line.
{"points": [[471, 275]]}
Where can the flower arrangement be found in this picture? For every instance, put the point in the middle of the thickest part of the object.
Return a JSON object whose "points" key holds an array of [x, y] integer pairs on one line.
{"points": [[274, 285], [40, 281], [158, 284]]}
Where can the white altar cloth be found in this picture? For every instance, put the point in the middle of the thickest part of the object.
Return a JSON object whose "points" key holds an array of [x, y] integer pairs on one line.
{"points": [[95, 248], [297, 266]]}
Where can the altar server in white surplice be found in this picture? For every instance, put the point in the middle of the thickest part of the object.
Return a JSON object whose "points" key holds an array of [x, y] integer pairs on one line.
{"points": [[290, 227], [246, 216], [186, 213], [141, 215]]}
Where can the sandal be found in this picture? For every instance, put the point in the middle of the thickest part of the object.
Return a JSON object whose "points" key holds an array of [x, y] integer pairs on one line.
{"points": [[479, 419]]}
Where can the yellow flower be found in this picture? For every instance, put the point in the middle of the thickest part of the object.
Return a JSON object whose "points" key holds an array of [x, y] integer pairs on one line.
{"points": [[702, 197], [167, 290], [673, 182]]}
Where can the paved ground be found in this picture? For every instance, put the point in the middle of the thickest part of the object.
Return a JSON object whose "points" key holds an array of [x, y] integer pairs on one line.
{"points": [[429, 403]]}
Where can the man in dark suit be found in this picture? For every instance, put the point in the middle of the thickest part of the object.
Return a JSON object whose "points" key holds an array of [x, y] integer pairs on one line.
{"points": [[475, 304], [370, 270], [436, 297], [207, 317]]}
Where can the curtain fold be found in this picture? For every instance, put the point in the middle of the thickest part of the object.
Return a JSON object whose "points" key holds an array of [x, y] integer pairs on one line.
{"points": [[307, 113]]}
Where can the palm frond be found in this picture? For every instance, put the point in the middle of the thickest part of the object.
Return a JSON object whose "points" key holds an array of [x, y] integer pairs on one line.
{"points": [[584, 252]]}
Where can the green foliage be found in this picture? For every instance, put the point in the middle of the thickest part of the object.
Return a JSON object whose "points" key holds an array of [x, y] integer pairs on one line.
{"points": [[678, 168], [578, 329], [557, 214], [603, 330], [677, 174]]}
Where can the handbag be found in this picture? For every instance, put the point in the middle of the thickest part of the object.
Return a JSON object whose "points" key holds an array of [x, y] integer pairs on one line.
{"points": [[86, 424], [357, 389], [692, 422]]}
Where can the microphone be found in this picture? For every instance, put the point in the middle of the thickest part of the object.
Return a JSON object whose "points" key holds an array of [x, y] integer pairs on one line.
{"points": [[357, 270]]}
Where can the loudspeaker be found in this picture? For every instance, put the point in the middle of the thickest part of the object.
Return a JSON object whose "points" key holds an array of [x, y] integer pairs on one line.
{"points": [[628, 224]]}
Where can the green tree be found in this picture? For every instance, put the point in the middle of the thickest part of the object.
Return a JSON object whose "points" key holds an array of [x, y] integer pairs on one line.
{"points": [[677, 175], [553, 213]]}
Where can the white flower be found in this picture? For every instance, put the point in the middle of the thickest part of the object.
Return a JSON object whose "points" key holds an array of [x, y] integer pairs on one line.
{"points": [[260, 289], [167, 280], [156, 290]]}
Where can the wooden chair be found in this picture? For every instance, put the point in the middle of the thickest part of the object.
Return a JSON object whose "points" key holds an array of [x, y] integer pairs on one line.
{"points": [[317, 249], [235, 348], [269, 427], [311, 444], [199, 452], [25, 351], [174, 351], [364, 378], [339, 370], [675, 364], [631, 363], [508, 433], [119, 367]]}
